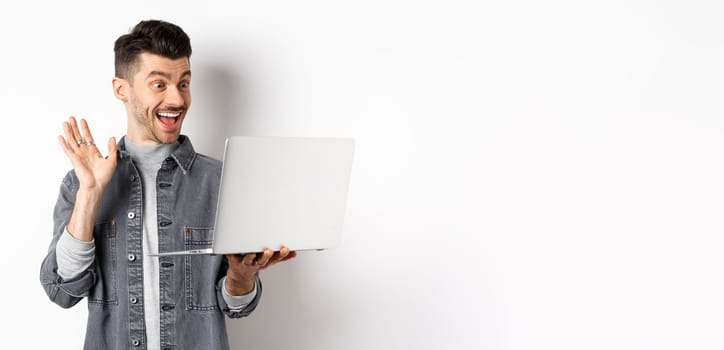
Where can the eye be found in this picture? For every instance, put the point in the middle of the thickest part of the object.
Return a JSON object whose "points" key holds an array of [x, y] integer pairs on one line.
{"points": [[158, 85], [184, 85]]}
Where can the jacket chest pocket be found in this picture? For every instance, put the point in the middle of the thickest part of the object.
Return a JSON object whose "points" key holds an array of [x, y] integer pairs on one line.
{"points": [[104, 290], [201, 272]]}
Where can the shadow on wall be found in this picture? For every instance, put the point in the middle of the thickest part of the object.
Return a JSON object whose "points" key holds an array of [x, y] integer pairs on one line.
{"points": [[295, 310], [218, 107], [221, 109], [278, 316]]}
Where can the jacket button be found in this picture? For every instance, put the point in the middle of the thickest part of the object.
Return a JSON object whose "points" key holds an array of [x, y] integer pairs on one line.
{"points": [[131, 215], [133, 300], [131, 257]]}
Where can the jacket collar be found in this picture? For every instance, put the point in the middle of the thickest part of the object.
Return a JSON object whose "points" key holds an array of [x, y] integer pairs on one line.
{"points": [[184, 155]]}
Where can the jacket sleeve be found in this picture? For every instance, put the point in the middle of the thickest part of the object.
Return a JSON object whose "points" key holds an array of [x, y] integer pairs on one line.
{"points": [[246, 311], [65, 293]]}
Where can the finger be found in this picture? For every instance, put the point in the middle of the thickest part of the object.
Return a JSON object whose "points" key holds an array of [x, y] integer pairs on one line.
{"points": [[64, 144], [234, 258], [76, 131], [265, 257], [283, 251], [279, 255], [249, 259], [86, 131], [69, 136], [291, 255], [284, 254]]}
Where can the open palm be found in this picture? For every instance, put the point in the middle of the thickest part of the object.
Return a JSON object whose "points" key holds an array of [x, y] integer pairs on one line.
{"points": [[92, 169]]}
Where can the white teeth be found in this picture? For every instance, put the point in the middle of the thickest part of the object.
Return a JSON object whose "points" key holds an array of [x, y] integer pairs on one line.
{"points": [[168, 115]]}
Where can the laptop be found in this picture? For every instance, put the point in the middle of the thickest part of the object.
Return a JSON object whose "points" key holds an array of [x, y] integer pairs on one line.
{"points": [[276, 191]]}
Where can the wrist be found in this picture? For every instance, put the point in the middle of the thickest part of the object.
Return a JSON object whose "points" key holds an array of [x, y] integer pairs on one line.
{"points": [[81, 222], [89, 194], [239, 286]]}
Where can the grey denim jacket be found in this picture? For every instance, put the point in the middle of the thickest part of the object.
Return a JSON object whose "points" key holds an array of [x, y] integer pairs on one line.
{"points": [[192, 306]]}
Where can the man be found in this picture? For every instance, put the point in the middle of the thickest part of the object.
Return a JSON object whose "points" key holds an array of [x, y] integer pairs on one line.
{"points": [[152, 193]]}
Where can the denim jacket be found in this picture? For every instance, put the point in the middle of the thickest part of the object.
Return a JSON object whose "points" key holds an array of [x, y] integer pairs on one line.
{"points": [[192, 306]]}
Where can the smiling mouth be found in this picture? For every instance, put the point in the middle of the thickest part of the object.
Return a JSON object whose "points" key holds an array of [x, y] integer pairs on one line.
{"points": [[168, 119]]}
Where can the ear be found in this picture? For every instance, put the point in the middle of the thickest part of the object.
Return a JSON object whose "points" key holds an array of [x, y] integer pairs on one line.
{"points": [[120, 88]]}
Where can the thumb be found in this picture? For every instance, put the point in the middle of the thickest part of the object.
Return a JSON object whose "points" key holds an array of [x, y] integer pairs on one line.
{"points": [[112, 149]]}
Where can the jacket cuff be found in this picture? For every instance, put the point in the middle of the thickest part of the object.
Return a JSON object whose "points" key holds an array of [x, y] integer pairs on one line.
{"points": [[77, 287], [233, 312]]}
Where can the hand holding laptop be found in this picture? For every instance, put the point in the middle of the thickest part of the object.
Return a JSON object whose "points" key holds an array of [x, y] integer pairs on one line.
{"points": [[242, 270]]}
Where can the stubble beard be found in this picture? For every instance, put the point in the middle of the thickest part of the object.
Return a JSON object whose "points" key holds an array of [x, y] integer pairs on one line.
{"points": [[144, 119]]}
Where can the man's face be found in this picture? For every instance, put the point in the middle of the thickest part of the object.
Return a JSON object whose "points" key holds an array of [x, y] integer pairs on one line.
{"points": [[158, 99]]}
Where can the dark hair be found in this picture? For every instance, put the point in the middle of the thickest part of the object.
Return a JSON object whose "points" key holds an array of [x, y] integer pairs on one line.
{"points": [[152, 36]]}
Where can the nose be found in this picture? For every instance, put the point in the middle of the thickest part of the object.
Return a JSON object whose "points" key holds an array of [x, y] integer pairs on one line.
{"points": [[174, 97]]}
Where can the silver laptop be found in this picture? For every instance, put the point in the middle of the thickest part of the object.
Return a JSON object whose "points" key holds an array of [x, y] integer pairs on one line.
{"points": [[276, 191]]}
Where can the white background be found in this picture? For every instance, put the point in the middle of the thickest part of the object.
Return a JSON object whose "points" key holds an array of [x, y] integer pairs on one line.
{"points": [[529, 174]]}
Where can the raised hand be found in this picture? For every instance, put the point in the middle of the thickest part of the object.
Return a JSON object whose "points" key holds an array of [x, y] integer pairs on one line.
{"points": [[93, 170]]}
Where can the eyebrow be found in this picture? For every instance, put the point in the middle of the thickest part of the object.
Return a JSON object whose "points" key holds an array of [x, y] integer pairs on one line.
{"points": [[166, 75]]}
